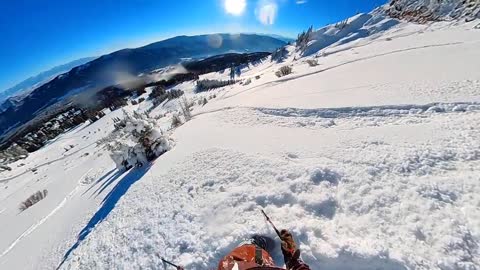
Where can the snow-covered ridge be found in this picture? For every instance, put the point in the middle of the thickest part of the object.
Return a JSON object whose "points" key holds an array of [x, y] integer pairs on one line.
{"points": [[434, 10], [386, 18], [357, 27]]}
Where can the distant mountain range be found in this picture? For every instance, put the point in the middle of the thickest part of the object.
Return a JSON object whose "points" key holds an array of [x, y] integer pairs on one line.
{"points": [[127, 64], [41, 78], [282, 38]]}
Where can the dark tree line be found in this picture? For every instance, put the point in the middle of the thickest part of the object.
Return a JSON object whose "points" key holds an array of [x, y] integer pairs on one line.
{"points": [[224, 61]]}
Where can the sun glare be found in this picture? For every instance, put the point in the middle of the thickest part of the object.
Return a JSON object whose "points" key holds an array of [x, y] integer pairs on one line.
{"points": [[235, 7]]}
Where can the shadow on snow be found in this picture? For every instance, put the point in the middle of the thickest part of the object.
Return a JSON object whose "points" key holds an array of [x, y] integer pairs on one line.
{"points": [[108, 202]]}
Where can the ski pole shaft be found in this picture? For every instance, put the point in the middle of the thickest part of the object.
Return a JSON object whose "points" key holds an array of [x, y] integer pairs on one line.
{"points": [[271, 223], [172, 264]]}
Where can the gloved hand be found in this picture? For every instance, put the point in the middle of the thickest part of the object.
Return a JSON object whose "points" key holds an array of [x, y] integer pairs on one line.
{"points": [[289, 247]]}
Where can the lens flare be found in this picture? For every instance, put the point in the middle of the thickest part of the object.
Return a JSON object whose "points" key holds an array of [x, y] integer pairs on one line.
{"points": [[215, 41], [235, 7], [267, 11]]}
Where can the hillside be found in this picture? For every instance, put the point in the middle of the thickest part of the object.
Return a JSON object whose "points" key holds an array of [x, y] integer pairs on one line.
{"points": [[125, 65], [33, 82]]}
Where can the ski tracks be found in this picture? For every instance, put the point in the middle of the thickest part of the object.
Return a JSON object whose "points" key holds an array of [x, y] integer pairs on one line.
{"points": [[295, 77], [328, 117], [46, 163], [44, 219]]}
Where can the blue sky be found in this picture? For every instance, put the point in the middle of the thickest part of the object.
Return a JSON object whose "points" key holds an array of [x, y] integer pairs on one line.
{"points": [[37, 35]]}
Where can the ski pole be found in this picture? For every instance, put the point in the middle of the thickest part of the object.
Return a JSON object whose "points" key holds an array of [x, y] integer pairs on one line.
{"points": [[172, 264], [271, 223]]}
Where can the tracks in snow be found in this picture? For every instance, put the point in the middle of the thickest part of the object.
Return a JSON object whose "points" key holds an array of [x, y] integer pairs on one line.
{"points": [[348, 117], [40, 222], [44, 219], [46, 163], [364, 111], [373, 111], [293, 77]]}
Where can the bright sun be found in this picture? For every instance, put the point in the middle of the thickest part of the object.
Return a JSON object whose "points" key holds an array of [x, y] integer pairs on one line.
{"points": [[235, 7]]}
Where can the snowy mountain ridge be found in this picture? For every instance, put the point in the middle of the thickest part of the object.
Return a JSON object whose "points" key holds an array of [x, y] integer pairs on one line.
{"points": [[357, 27], [13, 96], [387, 17], [434, 10]]}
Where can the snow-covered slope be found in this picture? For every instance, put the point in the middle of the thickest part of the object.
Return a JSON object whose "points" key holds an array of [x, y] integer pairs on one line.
{"points": [[357, 27], [384, 18], [371, 158]]}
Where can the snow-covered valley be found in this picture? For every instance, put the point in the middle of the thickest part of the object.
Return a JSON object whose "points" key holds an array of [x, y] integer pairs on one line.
{"points": [[371, 158]]}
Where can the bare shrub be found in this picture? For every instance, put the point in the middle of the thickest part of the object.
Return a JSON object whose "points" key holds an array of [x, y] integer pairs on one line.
{"points": [[283, 71], [33, 199], [312, 62], [185, 106], [5, 168], [206, 85], [13, 153], [176, 121], [202, 102]]}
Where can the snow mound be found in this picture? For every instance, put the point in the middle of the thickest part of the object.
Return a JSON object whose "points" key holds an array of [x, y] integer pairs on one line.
{"points": [[360, 26]]}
